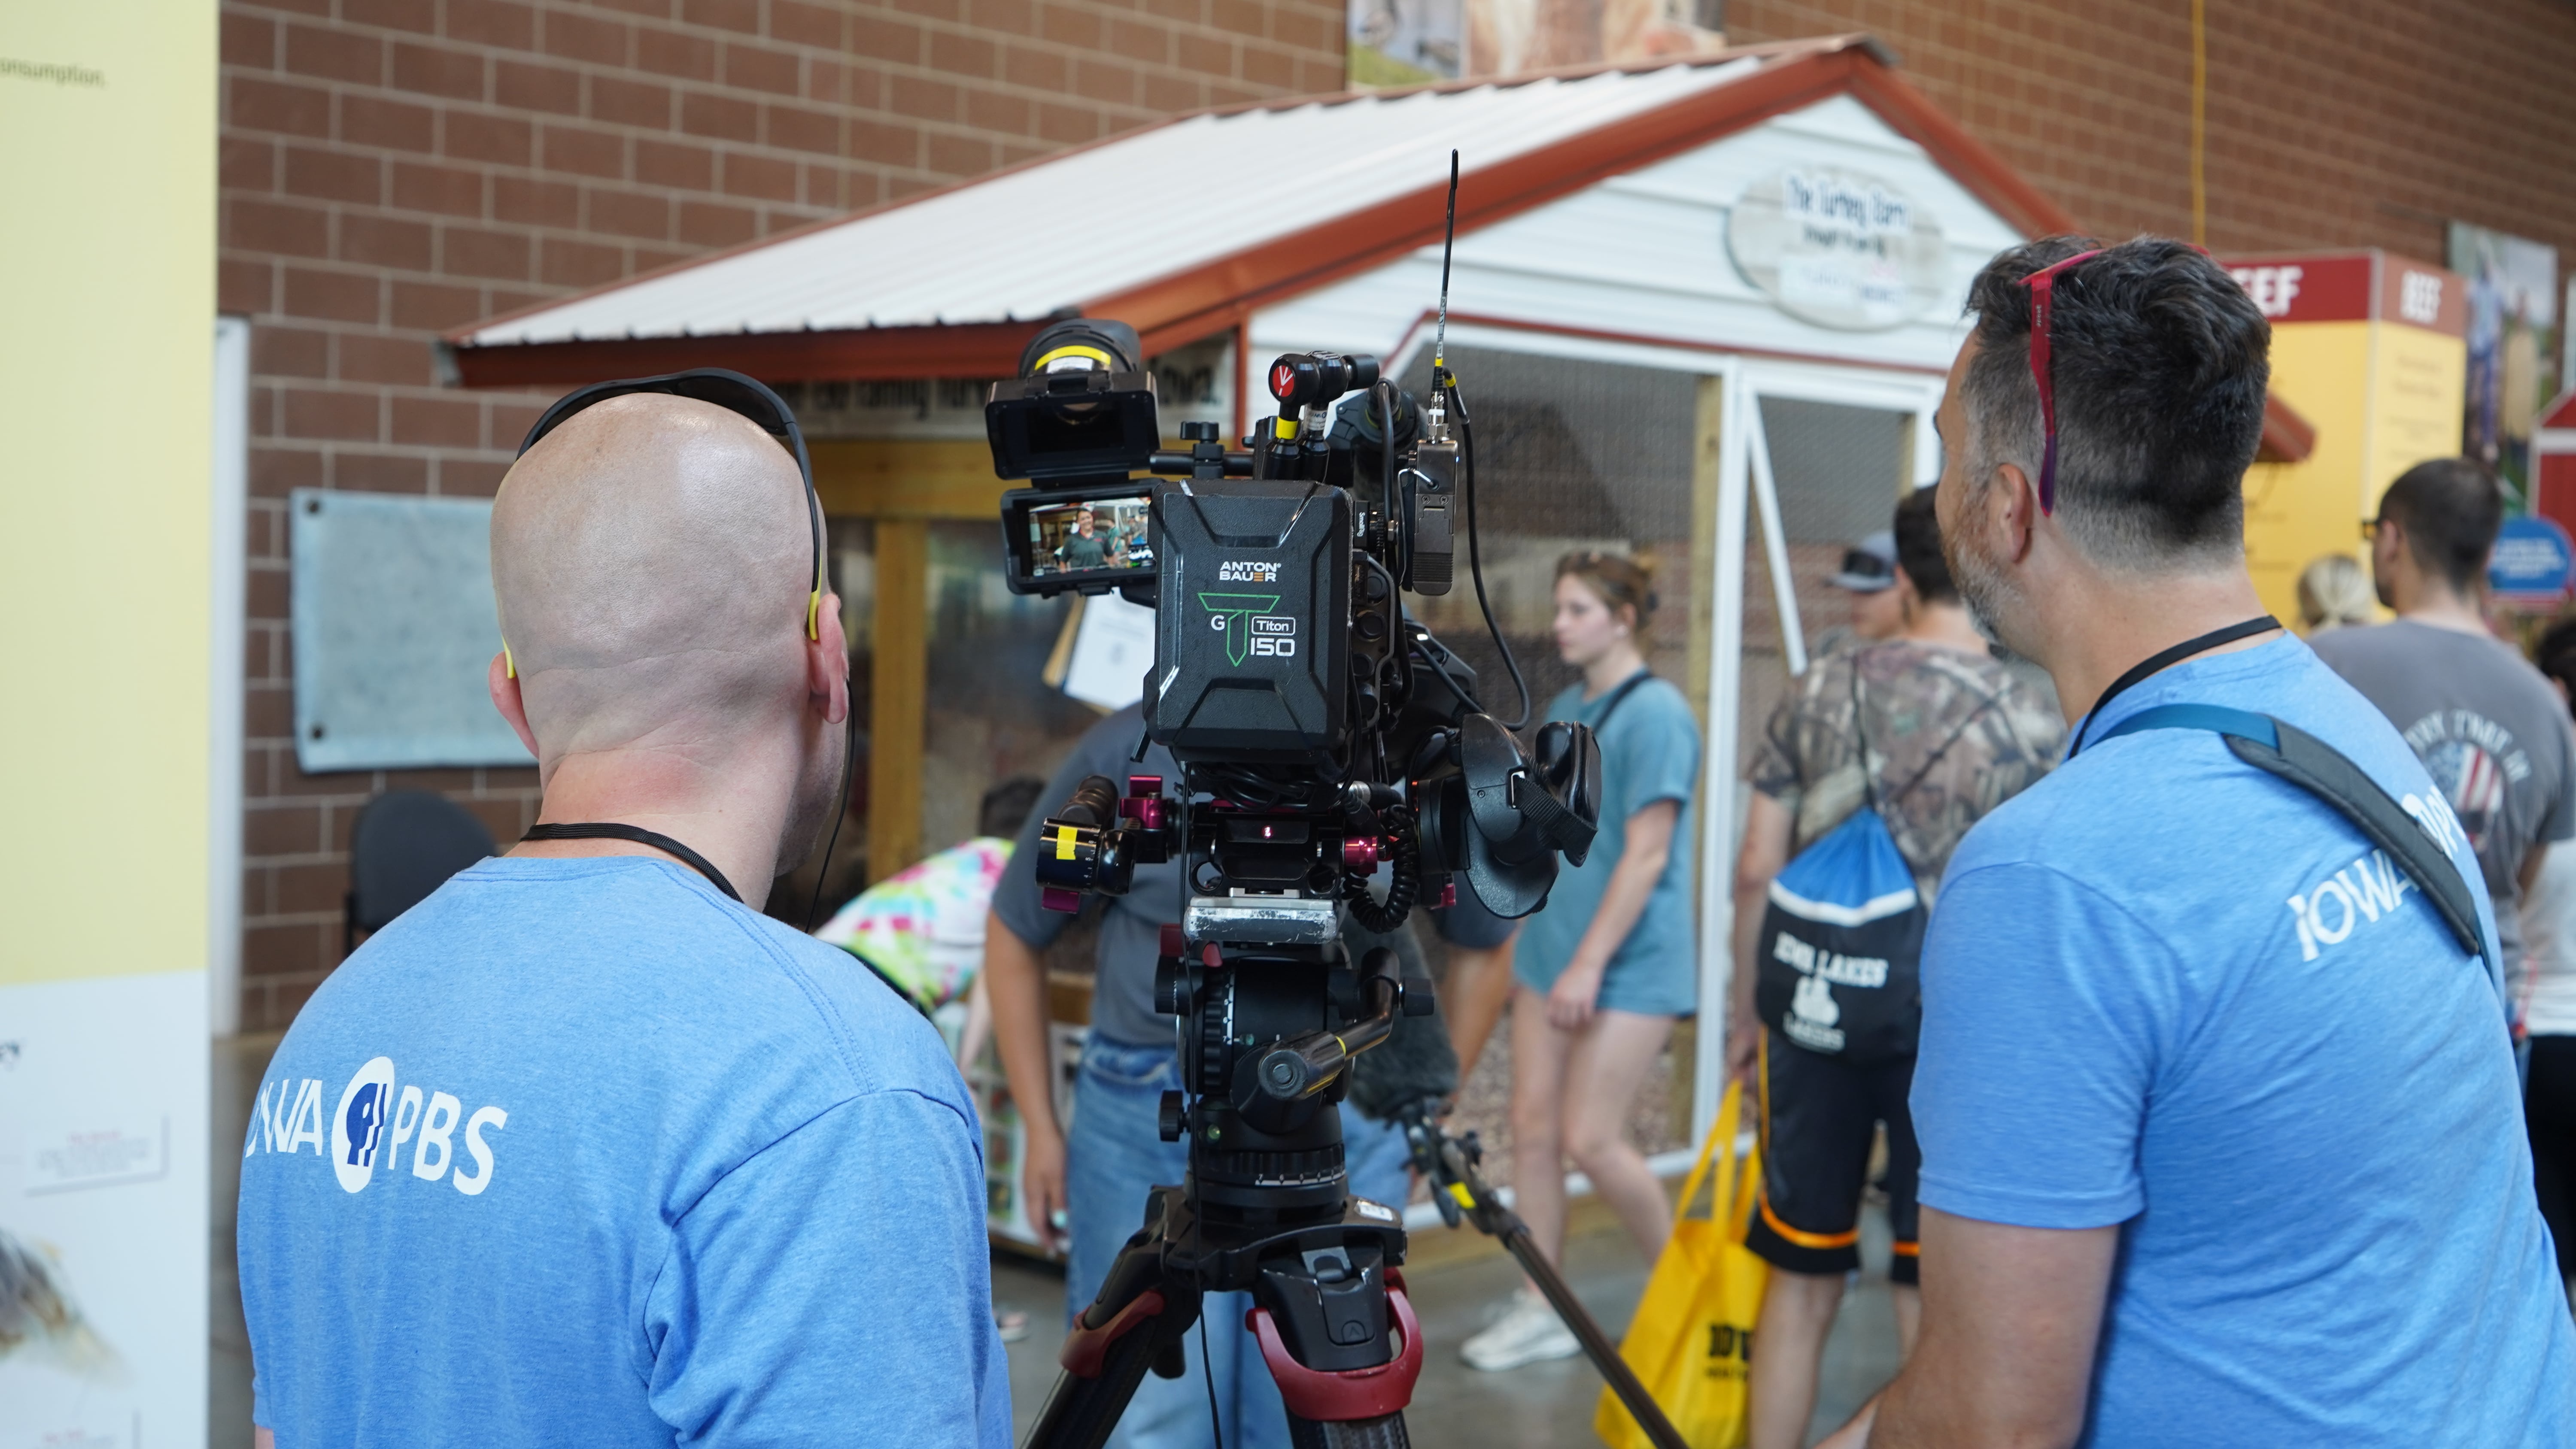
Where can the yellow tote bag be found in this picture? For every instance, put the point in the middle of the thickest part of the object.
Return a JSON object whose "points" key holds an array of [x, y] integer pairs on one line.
{"points": [[1693, 1334]]}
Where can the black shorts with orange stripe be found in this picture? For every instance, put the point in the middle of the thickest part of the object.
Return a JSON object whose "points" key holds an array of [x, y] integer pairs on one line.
{"points": [[1819, 1116]]}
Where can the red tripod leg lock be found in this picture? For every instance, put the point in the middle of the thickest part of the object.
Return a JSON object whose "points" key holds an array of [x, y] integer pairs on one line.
{"points": [[1086, 1349], [1329, 1397]]}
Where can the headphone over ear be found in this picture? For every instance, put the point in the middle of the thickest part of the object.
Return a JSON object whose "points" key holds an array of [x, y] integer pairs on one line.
{"points": [[727, 389]]}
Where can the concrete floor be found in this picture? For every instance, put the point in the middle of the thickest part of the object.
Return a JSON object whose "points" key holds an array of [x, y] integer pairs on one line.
{"points": [[1454, 1407], [1537, 1407]]}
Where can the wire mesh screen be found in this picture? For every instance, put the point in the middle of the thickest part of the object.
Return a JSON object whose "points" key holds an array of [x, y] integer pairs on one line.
{"points": [[1838, 467], [1840, 471], [1569, 455]]}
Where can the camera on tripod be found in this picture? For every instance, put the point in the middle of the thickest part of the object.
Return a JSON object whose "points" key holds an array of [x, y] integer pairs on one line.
{"points": [[1288, 680], [1321, 734]]}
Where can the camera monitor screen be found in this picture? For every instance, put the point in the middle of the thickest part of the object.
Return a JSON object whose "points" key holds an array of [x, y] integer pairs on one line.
{"points": [[1085, 540]]}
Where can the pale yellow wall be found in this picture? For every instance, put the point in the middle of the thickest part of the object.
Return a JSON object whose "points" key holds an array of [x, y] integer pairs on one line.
{"points": [[107, 303]]}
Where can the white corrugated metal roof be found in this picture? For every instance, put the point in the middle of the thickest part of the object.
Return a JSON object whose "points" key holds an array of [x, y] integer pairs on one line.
{"points": [[1029, 243]]}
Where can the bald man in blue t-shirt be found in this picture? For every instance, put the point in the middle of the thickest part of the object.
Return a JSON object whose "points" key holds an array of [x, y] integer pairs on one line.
{"points": [[657, 1169]]}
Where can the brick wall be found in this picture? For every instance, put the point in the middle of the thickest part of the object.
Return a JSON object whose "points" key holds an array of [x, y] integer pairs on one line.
{"points": [[394, 168], [2330, 122]]}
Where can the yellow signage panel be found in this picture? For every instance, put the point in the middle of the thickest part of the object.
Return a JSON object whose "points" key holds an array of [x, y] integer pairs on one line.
{"points": [[107, 248], [2366, 348]]}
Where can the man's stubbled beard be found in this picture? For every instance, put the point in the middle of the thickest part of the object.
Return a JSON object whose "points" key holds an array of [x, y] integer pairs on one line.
{"points": [[1982, 586]]}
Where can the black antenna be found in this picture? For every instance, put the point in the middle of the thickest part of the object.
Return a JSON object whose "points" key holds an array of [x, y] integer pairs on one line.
{"points": [[1448, 242], [1444, 401]]}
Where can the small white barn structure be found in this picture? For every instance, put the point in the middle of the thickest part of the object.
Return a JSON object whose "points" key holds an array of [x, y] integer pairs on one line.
{"points": [[1693, 306]]}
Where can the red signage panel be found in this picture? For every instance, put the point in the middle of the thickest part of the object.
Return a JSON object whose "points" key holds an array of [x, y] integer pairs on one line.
{"points": [[2354, 287]]}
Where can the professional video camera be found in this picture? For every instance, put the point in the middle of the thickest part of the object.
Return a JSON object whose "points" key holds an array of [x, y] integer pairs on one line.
{"points": [[1287, 677], [1320, 732]]}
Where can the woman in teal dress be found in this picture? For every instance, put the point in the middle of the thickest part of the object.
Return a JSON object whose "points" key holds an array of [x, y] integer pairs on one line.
{"points": [[1604, 969]]}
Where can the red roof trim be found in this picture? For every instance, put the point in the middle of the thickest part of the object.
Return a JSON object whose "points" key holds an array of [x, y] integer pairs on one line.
{"points": [[1985, 174], [878, 354], [2287, 437]]}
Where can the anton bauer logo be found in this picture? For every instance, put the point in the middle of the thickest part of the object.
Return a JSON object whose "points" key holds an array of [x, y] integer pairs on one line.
{"points": [[1246, 571], [374, 1120]]}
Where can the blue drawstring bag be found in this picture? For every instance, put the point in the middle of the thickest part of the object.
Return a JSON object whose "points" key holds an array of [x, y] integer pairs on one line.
{"points": [[1839, 969]]}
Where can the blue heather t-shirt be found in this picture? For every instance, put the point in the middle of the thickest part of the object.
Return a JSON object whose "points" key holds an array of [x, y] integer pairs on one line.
{"points": [[2165, 989], [582, 1152], [1649, 752]]}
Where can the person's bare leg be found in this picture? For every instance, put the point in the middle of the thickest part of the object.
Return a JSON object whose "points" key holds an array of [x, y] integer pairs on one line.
{"points": [[1473, 998], [1797, 1313], [1909, 1318], [1538, 1098], [1611, 1056]]}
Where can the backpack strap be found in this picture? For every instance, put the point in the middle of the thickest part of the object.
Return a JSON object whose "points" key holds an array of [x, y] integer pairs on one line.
{"points": [[2313, 765], [1868, 777], [1620, 695]]}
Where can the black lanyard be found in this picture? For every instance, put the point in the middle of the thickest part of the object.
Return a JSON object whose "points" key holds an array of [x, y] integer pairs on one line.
{"points": [[599, 830], [610, 830], [1618, 697], [2166, 659]]}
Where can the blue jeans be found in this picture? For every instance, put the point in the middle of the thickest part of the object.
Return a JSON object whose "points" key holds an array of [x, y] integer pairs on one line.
{"points": [[1114, 1154]]}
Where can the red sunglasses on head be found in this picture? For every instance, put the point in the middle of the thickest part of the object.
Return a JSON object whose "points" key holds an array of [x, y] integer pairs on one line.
{"points": [[2041, 283]]}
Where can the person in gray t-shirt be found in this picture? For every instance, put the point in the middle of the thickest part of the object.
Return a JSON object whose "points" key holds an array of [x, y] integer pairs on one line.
{"points": [[2485, 723]]}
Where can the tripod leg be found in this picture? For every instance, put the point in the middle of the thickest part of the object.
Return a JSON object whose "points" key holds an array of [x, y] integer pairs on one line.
{"points": [[1596, 1345], [1385, 1432], [1080, 1411], [1138, 1318]]}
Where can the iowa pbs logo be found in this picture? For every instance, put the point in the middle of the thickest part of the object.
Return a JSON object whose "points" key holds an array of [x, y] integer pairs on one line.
{"points": [[358, 1123]]}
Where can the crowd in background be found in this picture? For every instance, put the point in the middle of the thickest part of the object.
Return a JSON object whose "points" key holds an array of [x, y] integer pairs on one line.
{"points": [[2492, 725], [1909, 714], [1910, 721], [2169, 1162]]}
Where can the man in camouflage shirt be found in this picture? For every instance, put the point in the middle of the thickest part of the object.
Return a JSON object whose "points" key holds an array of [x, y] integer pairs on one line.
{"points": [[1945, 733]]}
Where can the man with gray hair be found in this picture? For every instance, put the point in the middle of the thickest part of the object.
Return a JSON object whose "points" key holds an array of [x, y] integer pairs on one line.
{"points": [[620, 1160], [2220, 1136]]}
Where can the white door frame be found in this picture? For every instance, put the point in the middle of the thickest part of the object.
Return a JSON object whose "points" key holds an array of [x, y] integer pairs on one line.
{"points": [[226, 612], [1745, 476]]}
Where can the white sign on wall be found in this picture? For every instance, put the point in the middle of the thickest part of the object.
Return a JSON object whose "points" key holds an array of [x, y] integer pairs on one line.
{"points": [[1838, 248], [103, 1202], [394, 631]]}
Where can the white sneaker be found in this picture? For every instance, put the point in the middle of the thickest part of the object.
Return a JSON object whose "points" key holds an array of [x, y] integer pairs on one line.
{"points": [[1528, 1332]]}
